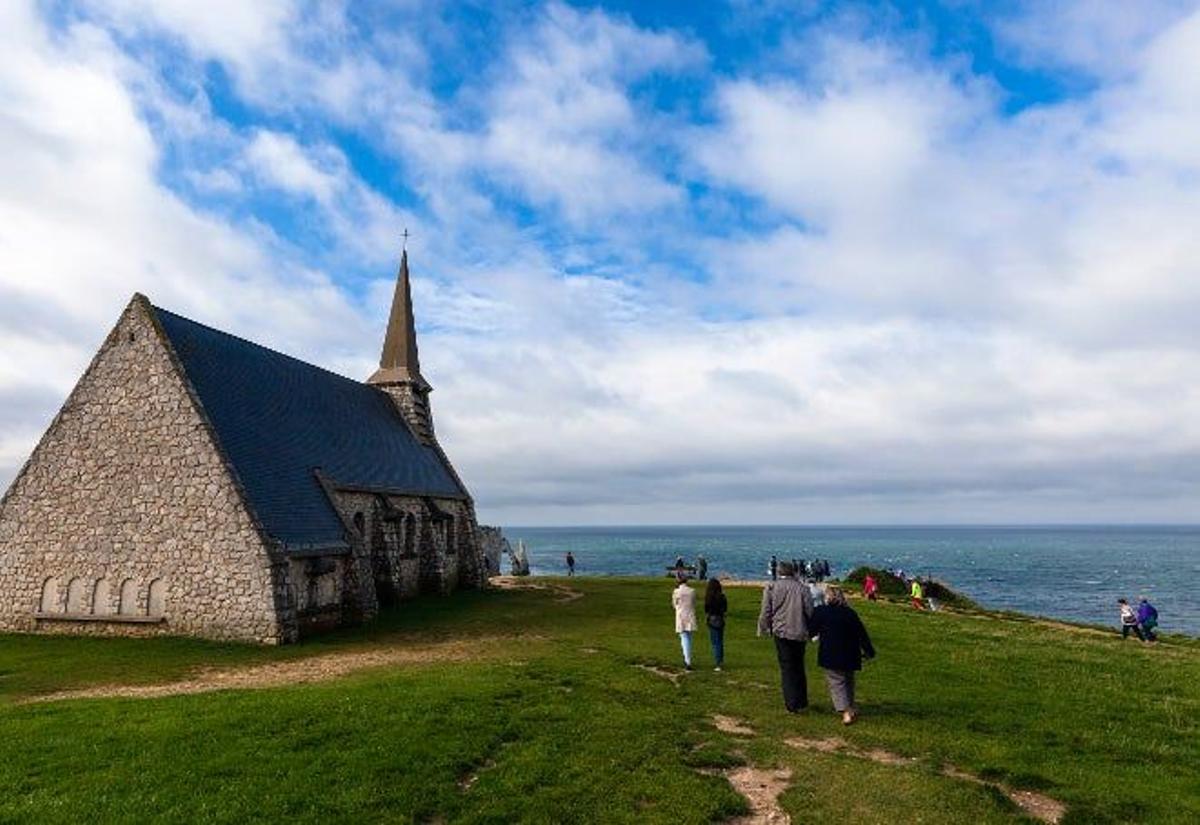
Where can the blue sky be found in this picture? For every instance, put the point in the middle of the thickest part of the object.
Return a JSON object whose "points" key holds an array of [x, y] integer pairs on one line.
{"points": [[675, 262]]}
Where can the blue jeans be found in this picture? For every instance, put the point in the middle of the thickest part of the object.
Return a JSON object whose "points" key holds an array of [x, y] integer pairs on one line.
{"points": [[716, 635], [685, 641]]}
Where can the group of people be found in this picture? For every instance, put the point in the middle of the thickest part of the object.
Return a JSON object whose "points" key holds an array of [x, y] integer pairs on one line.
{"points": [[700, 568], [814, 570], [792, 617], [916, 590], [1141, 622]]}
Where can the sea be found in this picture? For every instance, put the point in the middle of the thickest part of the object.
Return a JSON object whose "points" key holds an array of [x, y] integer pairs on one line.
{"points": [[1073, 573]]}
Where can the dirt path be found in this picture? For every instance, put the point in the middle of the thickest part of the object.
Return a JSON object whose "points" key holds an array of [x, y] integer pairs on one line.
{"points": [[562, 592], [761, 788], [1037, 805], [292, 672]]}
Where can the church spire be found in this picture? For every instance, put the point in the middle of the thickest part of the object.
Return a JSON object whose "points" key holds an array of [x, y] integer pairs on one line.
{"points": [[399, 360], [399, 373]]}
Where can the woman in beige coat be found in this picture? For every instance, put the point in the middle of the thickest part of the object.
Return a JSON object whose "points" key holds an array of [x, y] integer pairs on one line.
{"points": [[684, 600]]}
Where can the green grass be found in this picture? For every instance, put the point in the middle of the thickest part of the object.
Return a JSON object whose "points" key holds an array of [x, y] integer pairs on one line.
{"points": [[560, 725]]}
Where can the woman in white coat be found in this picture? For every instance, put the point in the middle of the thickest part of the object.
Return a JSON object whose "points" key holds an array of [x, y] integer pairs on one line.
{"points": [[684, 600]]}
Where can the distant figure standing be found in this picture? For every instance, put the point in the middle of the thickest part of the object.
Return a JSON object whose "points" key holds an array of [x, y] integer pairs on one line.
{"points": [[773, 568], [1148, 619], [871, 588], [679, 565], [786, 608], [701, 568], [715, 608], [1129, 621], [917, 593], [843, 644], [570, 563], [683, 598]]}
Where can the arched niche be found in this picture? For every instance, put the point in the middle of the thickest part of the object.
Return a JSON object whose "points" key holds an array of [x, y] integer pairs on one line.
{"points": [[102, 598], [77, 596], [129, 598], [48, 602], [156, 599]]}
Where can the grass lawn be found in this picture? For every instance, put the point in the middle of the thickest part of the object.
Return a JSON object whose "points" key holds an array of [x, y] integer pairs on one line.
{"points": [[556, 721]]}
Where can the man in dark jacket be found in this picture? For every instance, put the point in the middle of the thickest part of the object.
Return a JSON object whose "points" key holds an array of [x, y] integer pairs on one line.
{"points": [[843, 643], [786, 608]]}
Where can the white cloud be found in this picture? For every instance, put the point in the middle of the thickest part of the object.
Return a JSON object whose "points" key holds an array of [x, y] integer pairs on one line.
{"points": [[938, 312], [85, 224], [1099, 37], [279, 161], [563, 128]]}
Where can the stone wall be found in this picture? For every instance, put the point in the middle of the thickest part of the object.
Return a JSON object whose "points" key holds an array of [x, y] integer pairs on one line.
{"points": [[413, 545], [126, 519]]}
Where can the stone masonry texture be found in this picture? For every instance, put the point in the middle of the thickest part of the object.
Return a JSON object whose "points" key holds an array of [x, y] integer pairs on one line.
{"points": [[127, 493]]}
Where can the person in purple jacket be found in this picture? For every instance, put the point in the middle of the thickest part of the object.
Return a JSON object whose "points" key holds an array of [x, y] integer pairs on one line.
{"points": [[1147, 617]]}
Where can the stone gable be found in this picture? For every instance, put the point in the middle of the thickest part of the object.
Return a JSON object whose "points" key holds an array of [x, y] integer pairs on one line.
{"points": [[126, 518]]}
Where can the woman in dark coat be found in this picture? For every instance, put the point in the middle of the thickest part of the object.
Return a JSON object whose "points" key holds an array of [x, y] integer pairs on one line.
{"points": [[715, 608], [843, 644]]}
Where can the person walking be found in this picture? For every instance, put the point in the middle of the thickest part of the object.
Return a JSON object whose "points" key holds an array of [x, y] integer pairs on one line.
{"points": [[701, 568], [1129, 621], [843, 642], [570, 563], [715, 608], [773, 568], [786, 608], [917, 593], [871, 588], [1148, 618], [683, 598]]}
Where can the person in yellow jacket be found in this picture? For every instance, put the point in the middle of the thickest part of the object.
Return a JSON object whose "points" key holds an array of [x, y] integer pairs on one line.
{"points": [[917, 594]]}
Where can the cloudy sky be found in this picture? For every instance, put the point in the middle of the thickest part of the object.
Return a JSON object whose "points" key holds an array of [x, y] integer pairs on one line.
{"points": [[758, 263]]}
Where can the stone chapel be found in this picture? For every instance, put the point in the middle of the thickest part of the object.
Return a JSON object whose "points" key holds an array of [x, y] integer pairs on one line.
{"points": [[195, 483]]}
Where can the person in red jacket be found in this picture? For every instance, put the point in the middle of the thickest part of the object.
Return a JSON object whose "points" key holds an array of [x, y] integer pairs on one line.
{"points": [[870, 588]]}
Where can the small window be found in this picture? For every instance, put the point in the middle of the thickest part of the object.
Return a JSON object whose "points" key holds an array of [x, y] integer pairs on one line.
{"points": [[360, 523], [410, 534]]}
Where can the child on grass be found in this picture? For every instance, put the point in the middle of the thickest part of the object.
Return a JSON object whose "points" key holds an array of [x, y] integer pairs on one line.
{"points": [[1129, 621]]}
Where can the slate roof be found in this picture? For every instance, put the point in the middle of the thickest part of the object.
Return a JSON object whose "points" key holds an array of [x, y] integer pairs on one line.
{"points": [[277, 418]]}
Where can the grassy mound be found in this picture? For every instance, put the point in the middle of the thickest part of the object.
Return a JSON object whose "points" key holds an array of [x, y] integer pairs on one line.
{"points": [[579, 711], [894, 586]]}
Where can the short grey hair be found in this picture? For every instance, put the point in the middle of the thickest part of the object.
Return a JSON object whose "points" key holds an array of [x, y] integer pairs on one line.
{"points": [[834, 594]]}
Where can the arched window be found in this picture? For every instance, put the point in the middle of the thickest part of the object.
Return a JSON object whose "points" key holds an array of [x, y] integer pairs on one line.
{"points": [[360, 524], [129, 598], [101, 597], [49, 600], [156, 601], [410, 534], [77, 592]]}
